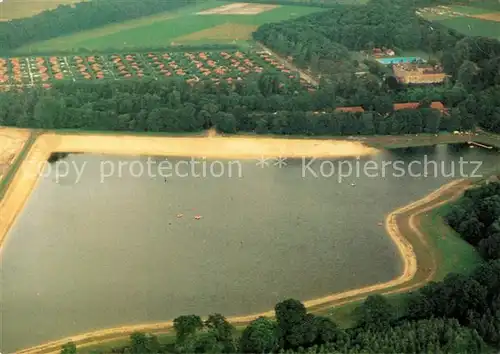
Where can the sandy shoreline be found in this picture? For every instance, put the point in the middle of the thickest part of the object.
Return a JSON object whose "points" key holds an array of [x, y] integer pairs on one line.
{"points": [[400, 284], [11, 143]]}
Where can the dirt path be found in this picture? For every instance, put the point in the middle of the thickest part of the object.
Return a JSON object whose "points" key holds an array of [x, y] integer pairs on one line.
{"points": [[290, 66], [405, 282]]}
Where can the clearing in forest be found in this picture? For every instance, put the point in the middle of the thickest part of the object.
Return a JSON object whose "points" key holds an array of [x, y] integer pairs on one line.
{"points": [[474, 26], [471, 21], [221, 33]]}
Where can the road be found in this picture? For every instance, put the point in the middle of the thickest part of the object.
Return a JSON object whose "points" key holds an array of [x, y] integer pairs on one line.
{"points": [[307, 77]]}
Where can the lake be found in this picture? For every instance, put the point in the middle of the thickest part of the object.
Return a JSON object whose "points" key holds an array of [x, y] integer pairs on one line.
{"points": [[107, 247]]}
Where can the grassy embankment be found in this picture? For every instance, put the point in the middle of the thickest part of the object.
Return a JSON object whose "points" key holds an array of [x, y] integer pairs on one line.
{"points": [[402, 141], [5, 181]]}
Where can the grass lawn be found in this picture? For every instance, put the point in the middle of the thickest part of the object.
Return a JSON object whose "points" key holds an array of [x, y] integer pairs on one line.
{"points": [[454, 254], [11, 9], [179, 27], [473, 26], [168, 338], [418, 53]]}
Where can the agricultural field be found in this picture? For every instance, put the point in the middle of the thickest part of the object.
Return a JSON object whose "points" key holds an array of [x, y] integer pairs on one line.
{"points": [[215, 66], [472, 21], [207, 22], [12, 9]]}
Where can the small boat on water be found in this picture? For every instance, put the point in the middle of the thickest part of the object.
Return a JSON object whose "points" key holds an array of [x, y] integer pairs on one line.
{"points": [[180, 215], [353, 184], [198, 217]]}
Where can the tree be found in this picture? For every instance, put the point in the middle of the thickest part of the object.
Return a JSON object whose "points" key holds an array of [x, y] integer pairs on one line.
{"points": [[289, 313], [327, 331], [186, 326], [138, 343], [490, 247], [141, 343], [471, 229], [375, 313], [260, 336], [222, 330], [293, 322], [68, 348], [467, 74], [383, 104], [225, 122]]}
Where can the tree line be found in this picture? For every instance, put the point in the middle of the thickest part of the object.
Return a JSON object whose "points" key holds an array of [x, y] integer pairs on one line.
{"points": [[67, 19], [267, 103], [476, 217]]}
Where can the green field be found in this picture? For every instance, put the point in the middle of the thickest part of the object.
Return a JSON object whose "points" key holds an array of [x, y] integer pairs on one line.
{"points": [[474, 26], [184, 26], [464, 19], [454, 254]]}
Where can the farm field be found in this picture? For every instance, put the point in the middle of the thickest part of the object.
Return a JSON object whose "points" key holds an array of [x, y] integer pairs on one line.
{"points": [[215, 66], [11, 9], [189, 25], [474, 26], [472, 21]]}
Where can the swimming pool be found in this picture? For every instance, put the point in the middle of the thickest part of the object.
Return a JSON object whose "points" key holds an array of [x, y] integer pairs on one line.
{"points": [[397, 60]]}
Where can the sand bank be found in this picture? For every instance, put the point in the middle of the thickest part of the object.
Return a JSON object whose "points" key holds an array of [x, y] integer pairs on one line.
{"points": [[400, 284], [11, 143], [210, 147]]}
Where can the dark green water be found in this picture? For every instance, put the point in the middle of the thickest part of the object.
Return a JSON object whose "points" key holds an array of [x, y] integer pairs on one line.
{"points": [[90, 255]]}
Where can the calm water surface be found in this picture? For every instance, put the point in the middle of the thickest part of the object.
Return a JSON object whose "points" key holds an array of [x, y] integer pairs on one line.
{"points": [[90, 255]]}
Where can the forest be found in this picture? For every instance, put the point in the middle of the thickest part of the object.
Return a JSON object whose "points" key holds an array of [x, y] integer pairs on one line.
{"points": [[476, 217], [67, 19], [326, 37], [268, 103]]}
